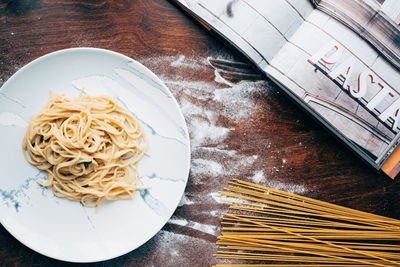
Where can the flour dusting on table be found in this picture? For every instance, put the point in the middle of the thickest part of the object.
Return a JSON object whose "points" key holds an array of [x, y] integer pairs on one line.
{"points": [[174, 246], [205, 104], [213, 109]]}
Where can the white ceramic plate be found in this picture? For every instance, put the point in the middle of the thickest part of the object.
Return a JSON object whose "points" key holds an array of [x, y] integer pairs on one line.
{"points": [[64, 229]]}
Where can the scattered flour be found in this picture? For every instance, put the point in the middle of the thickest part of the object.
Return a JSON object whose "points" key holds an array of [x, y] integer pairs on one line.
{"points": [[237, 101], [201, 90], [174, 252], [204, 103], [182, 61], [216, 196], [219, 198], [205, 106], [205, 228], [209, 167], [185, 201], [181, 222], [219, 149], [172, 249], [287, 187], [258, 177], [206, 132], [216, 213], [179, 61]]}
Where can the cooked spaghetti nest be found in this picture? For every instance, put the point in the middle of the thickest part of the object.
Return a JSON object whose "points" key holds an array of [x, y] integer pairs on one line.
{"points": [[89, 146]]}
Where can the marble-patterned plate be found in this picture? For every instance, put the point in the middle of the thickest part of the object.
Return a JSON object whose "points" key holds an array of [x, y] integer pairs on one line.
{"points": [[64, 229]]}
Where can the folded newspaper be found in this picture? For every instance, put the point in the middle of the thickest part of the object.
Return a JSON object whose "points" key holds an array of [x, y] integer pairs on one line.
{"points": [[338, 59]]}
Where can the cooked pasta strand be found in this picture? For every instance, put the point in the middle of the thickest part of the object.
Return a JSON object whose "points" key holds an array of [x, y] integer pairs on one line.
{"points": [[89, 146]]}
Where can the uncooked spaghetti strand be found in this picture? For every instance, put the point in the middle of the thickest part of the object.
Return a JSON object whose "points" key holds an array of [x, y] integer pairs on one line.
{"points": [[323, 241], [325, 218], [286, 265], [320, 232], [234, 242], [231, 239], [305, 211], [305, 221], [321, 236], [227, 244], [249, 242], [283, 202], [318, 202], [270, 257], [313, 201]]}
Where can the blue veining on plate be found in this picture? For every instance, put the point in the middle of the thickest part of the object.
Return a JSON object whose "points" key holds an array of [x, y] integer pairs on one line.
{"points": [[153, 132], [112, 87], [171, 179], [128, 76], [100, 84], [147, 78], [87, 215], [157, 206], [15, 197], [10, 196]]}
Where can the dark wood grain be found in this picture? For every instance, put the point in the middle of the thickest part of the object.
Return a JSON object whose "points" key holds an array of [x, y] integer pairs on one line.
{"points": [[276, 139]]}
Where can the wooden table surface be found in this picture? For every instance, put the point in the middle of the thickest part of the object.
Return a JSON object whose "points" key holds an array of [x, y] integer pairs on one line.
{"points": [[241, 125]]}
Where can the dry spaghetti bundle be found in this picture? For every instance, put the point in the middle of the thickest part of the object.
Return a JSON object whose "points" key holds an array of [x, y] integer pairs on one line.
{"points": [[266, 225]]}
